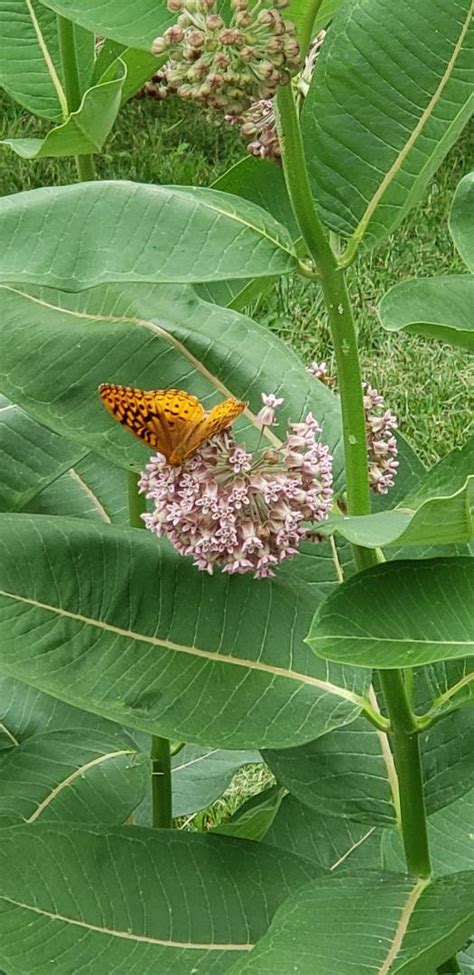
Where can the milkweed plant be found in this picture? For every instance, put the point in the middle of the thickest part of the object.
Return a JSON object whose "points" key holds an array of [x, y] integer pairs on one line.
{"points": [[303, 596]]}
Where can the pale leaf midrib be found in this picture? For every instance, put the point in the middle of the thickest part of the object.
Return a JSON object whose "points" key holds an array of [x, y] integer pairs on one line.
{"points": [[158, 330], [402, 925], [48, 60], [89, 494], [359, 231], [191, 650], [128, 935], [77, 773]]}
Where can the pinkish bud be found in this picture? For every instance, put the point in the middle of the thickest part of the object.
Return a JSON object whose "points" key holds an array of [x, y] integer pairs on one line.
{"points": [[174, 6]]}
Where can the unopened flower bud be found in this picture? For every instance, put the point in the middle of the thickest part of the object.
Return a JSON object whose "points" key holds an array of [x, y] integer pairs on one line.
{"points": [[247, 54], [159, 46], [174, 34], [215, 80], [195, 38], [243, 19], [230, 36], [214, 22], [175, 6], [239, 5], [222, 60]]}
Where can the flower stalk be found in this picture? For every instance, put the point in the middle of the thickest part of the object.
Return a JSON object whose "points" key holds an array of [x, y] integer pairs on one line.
{"points": [[404, 732], [67, 46], [161, 791]]}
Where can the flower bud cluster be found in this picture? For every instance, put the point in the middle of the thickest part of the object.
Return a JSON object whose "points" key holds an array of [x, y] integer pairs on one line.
{"points": [[379, 424], [226, 67], [241, 512], [381, 443], [258, 123]]}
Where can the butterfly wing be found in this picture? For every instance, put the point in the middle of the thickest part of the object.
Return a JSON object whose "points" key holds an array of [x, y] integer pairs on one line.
{"points": [[162, 418], [211, 424]]}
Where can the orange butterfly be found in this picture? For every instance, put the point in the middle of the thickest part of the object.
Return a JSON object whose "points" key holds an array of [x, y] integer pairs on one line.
{"points": [[170, 421]]}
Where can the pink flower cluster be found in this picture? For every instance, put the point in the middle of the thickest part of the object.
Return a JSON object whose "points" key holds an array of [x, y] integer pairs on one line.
{"points": [[381, 443], [379, 423], [240, 511]]}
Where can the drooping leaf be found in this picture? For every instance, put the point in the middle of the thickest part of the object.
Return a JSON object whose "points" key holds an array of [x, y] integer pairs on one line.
{"points": [[437, 308], [156, 645], [136, 901], [79, 236], [151, 337], [399, 614], [254, 817], [84, 131], [199, 776], [441, 520], [141, 65], [461, 220], [30, 63], [389, 923], [31, 456], [384, 108], [332, 842]]}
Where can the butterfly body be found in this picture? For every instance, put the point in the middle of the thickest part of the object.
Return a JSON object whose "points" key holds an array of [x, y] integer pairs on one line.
{"points": [[170, 421]]}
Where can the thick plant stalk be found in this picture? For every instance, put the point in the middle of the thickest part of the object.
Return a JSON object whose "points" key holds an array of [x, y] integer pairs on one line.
{"points": [[161, 795], [67, 46], [403, 729]]}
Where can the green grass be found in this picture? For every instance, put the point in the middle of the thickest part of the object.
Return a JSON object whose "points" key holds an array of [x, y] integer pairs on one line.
{"points": [[425, 383]]}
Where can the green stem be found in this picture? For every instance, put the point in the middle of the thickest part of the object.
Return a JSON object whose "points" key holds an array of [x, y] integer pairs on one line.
{"points": [[339, 313], [160, 747], [403, 726], [405, 742], [161, 782], [72, 85]]}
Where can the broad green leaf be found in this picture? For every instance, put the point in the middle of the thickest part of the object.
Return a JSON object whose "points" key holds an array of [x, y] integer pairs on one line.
{"points": [[151, 337], [93, 489], [129, 901], [263, 183], [388, 923], [84, 131], [350, 772], [26, 712], [461, 220], [134, 25], [91, 233], [399, 614], [381, 114], [254, 817], [450, 838], [436, 308], [199, 776], [437, 521], [347, 773], [156, 645], [331, 842], [72, 776], [31, 457], [30, 62]]}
